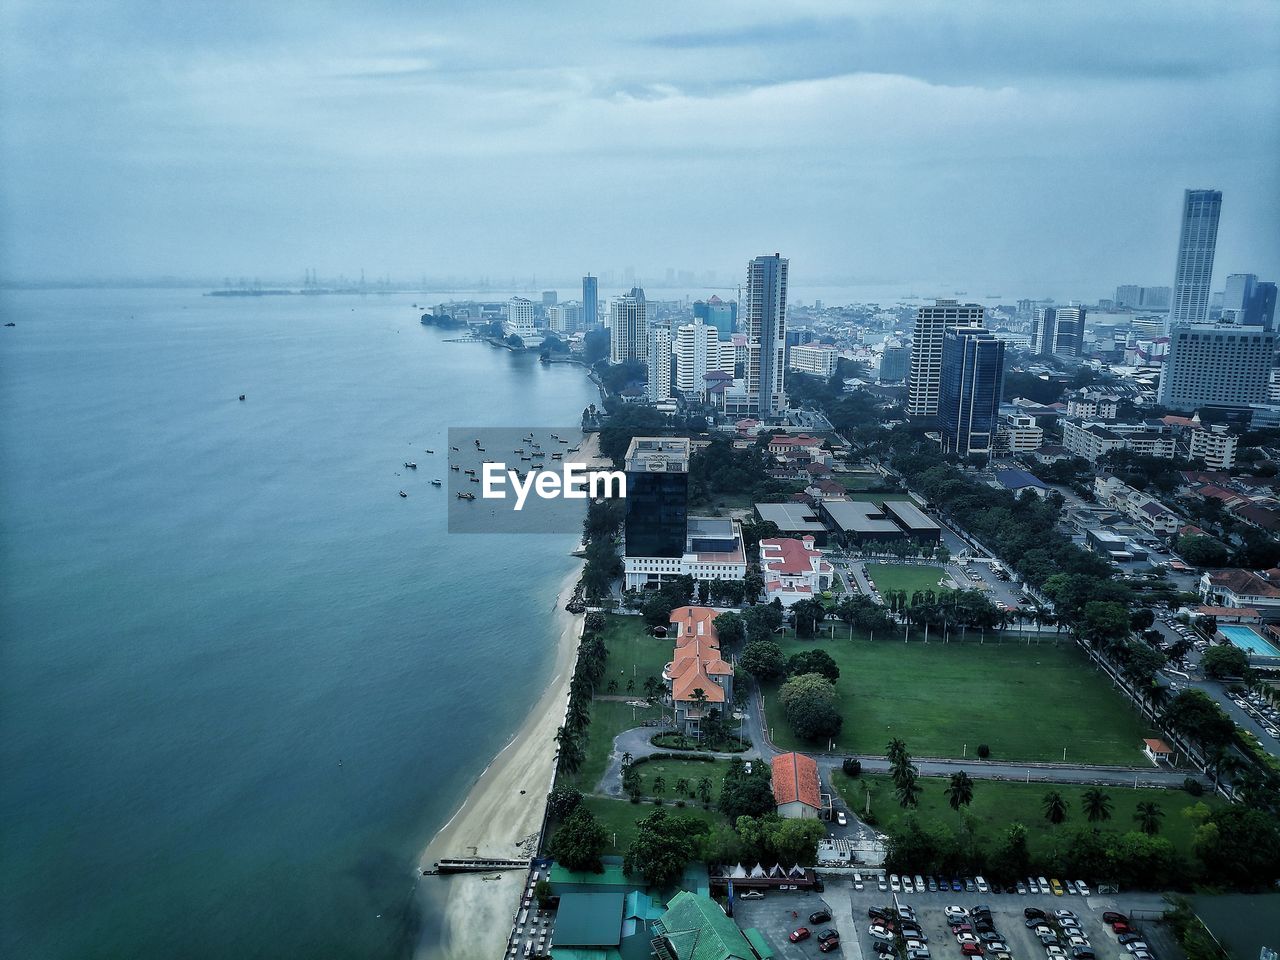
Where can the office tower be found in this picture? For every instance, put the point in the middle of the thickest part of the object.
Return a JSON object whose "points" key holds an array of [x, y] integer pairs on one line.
{"points": [[816, 359], [766, 328], [1261, 311], [1142, 298], [550, 298], [565, 317], [1196, 242], [657, 497], [969, 394], [1238, 295], [1068, 334], [1128, 295], [521, 320], [658, 388], [925, 373], [699, 350], [1216, 365], [717, 313], [895, 362], [628, 329], [1044, 330], [590, 303]]}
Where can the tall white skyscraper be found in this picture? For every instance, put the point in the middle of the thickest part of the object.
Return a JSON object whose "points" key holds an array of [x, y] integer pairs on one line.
{"points": [[699, 350], [924, 379], [1196, 243], [765, 324], [659, 387], [628, 329]]}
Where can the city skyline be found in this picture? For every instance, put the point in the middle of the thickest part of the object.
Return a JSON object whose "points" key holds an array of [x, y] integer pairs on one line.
{"points": [[256, 143]]}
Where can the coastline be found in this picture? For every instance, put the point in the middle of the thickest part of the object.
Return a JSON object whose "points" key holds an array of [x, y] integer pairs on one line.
{"points": [[470, 915]]}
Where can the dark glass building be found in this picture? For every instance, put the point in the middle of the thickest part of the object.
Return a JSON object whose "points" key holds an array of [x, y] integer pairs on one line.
{"points": [[972, 381], [590, 303], [657, 497]]}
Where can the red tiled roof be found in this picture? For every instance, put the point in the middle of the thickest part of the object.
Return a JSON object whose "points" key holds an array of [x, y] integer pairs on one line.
{"points": [[1158, 746], [1244, 582], [795, 777], [787, 555]]}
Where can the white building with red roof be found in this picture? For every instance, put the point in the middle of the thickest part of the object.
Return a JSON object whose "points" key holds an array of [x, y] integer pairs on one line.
{"points": [[697, 666], [796, 788], [793, 569]]}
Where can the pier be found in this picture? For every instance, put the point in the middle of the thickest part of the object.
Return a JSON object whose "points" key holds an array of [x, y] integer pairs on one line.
{"points": [[479, 864]]}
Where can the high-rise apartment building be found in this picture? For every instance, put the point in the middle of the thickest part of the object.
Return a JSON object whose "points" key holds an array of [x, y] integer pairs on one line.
{"points": [[894, 362], [550, 298], [969, 393], [1262, 308], [628, 328], [565, 317], [765, 325], [1058, 331], [1142, 298], [1044, 328], [522, 316], [721, 314], [1197, 240], [924, 377], [1216, 365], [590, 303], [658, 388], [699, 350]]}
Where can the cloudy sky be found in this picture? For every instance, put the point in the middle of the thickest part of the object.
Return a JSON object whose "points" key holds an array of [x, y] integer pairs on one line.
{"points": [[1018, 147]]}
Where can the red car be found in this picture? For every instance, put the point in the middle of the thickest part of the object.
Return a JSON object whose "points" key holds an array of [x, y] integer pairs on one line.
{"points": [[826, 946], [971, 949], [1112, 917], [1121, 927], [799, 934]]}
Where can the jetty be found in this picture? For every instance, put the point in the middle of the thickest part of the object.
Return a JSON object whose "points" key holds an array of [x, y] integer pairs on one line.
{"points": [[479, 865]]}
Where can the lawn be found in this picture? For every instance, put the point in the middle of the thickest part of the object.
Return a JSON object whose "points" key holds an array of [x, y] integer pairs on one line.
{"points": [[903, 576], [619, 818], [1025, 702], [608, 719], [996, 804], [674, 770], [634, 653]]}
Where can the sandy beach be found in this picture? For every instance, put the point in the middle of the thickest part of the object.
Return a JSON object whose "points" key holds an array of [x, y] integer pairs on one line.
{"points": [[470, 916]]}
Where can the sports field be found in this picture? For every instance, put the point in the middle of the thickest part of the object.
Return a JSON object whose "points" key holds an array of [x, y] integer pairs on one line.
{"points": [[1024, 702], [905, 576], [997, 804]]}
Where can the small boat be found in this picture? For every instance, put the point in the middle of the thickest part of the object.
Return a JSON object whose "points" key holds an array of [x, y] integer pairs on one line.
{"points": [[10, 325], [477, 443], [557, 456], [518, 450], [403, 494], [430, 451], [536, 446], [470, 473], [474, 479], [436, 483], [454, 466], [564, 441], [555, 437], [466, 496], [574, 449], [538, 453], [411, 465], [526, 458], [453, 448], [480, 449]]}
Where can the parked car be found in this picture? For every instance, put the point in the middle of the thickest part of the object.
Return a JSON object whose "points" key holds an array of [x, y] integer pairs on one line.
{"points": [[1083, 953], [1020, 888], [1069, 923], [955, 910], [800, 933], [895, 883], [917, 946], [963, 938], [1129, 937], [1065, 915], [918, 955], [857, 881], [882, 947], [820, 916], [841, 819], [1032, 886], [932, 884], [1043, 884], [877, 913], [1082, 888], [981, 884], [1056, 886], [970, 950], [882, 883], [1076, 940], [1121, 927], [750, 895], [879, 932], [1110, 916], [1136, 945], [1033, 912], [828, 934], [826, 946], [1054, 953]]}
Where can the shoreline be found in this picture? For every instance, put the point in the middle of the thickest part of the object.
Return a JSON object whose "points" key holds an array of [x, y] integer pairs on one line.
{"points": [[468, 915]]}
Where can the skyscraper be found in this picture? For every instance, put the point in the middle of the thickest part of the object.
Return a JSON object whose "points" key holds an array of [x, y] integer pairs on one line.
{"points": [[590, 303], [895, 362], [1196, 243], [1068, 334], [658, 388], [925, 375], [969, 394], [1262, 306], [1216, 365], [717, 313], [699, 350], [1237, 295], [765, 325], [657, 498], [1044, 328], [628, 329]]}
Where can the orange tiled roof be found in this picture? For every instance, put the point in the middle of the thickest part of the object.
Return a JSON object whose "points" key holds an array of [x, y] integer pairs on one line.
{"points": [[697, 657], [1158, 746], [795, 777]]}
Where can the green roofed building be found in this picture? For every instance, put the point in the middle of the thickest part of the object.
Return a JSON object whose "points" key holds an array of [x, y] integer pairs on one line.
{"points": [[604, 926], [611, 878], [695, 928]]}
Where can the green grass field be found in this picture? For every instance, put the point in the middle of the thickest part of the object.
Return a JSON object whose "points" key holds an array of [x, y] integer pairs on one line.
{"points": [[998, 804], [634, 653], [608, 719], [675, 770], [619, 818], [902, 576], [1025, 702]]}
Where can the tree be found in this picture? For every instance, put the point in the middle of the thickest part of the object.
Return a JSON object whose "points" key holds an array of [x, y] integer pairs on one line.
{"points": [[704, 789], [730, 629], [1055, 808], [1242, 848], [656, 609], [762, 620], [960, 790], [1097, 805], [763, 659], [1011, 858], [579, 842], [699, 698], [811, 706], [1225, 660], [1104, 622], [896, 750], [593, 622], [1202, 551], [909, 789], [813, 661], [562, 801], [1195, 715], [1148, 817], [745, 794], [659, 785], [796, 840], [662, 846], [572, 753], [808, 613]]}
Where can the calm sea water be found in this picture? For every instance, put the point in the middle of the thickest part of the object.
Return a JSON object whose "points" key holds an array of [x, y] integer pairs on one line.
{"points": [[242, 681]]}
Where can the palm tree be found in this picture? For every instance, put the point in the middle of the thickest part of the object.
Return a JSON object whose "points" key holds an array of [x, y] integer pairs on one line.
{"points": [[571, 752], [909, 789], [699, 697], [704, 789], [682, 786], [1055, 808], [1097, 805], [896, 750], [577, 716], [627, 760], [960, 790], [659, 785], [1148, 817]]}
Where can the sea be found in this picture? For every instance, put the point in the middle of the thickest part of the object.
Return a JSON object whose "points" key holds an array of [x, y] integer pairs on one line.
{"points": [[242, 680]]}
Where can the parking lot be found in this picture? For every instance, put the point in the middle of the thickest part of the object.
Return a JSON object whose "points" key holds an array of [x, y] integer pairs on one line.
{"points": [[779, 913]]}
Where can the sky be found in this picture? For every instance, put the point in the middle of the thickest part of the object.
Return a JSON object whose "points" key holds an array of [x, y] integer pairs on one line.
{"points": [[996, 146]]}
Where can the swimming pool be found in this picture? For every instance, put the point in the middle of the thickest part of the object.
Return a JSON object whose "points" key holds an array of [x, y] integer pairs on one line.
{"points": [[1248, 640]]}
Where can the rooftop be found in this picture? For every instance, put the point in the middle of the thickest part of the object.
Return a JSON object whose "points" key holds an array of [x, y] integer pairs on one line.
{"points": [[658, 455], [1017, 479], [795, 777], [859, 516], [910, 516]]}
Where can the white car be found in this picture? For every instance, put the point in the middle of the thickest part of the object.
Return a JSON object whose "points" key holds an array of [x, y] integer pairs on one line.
{"points": [[1137, 945], [982, 885], [1084, 890], [1065, 915], [857, 881], [966, 938], [880, 933], [895, 883], [751, 895], [1055, 953], [955, 911], [918, 945], [1032, 886]]}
